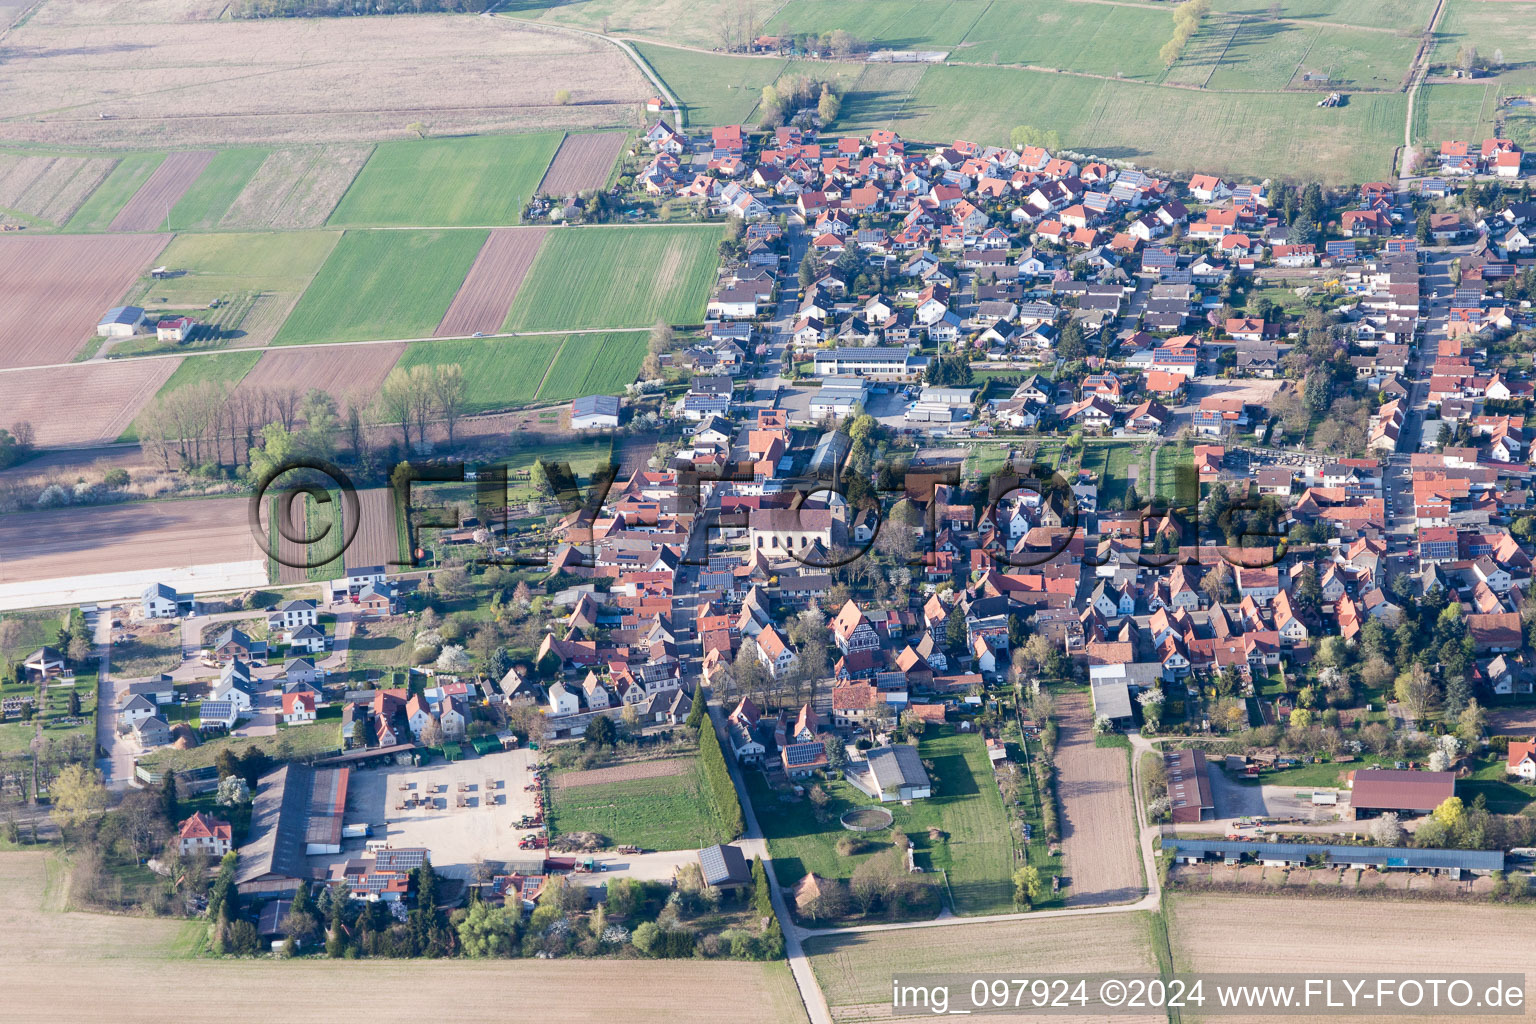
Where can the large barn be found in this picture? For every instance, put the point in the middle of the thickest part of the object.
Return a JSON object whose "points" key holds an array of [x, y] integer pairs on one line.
{"points": [[297, 813], [1410, 793]]}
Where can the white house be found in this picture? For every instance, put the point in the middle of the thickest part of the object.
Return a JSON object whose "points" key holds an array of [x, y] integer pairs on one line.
{"points": [[595, 412], [293, 614], [563, 700], [159, 601]]}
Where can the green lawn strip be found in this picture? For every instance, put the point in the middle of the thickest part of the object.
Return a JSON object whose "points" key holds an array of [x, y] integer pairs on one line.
{"points": [[96, 213], [667, 812], [383, 284], [499, 373], [1505, 793], [223, 367], [467, 181], [202, 206], [593, 364], [604, 277], [319, 738], [316, 516]]}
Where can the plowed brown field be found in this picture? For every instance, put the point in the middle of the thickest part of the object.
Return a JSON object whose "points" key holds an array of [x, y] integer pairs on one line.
{"points": [[485, 296], [625, 773], [90, 402], [56, 290], [375, 542], [341, 370], [582, 162], [1098, 822], [147, 210], [124, 538]]}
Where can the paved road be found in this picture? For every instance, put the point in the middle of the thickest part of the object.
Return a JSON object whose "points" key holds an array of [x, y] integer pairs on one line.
{"points": [[117, 766]]}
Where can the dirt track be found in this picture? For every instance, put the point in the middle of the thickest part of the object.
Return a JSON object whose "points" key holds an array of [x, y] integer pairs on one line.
{"points": [[150, 205], [56, 289], [482, 301], [1097, 817], [124, 538], [582, 162]]}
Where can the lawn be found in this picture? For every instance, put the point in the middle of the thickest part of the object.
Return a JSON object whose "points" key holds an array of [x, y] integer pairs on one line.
{"points": [[1114, 40], [668, 812], [1446, 110], [453, 182], [713, 89], [1174, 130], [96, 213], [320, 738], [617, 277], [1169, 458], [499, 373], [31, 630], [977, 855], [208, 200], [1112, 461], [1401, 15], [594, 364], [1505, 795], [217, 266], [317, 516], [383, 284]]}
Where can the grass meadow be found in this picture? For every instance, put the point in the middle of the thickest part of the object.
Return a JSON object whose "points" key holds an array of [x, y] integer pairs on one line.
{"points": [[203, 205], [499, 373], [132, 171], [976, 856], [383, 284], [594, 364], [219, 265], [713, 89], [617, 277], [897, 24], [666, 812], [1120, 40], [1503, 27], [459, 182]]}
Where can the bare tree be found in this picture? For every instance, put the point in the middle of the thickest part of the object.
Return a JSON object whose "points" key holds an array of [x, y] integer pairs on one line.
{"points": [[448, 393], [395, 403]]}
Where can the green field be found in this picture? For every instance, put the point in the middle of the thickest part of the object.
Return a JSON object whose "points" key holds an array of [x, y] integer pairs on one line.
{"points": [[617, 277], [1112, 461], [668, 812], [895, 24], [1446, 110], [713, 89], [220, 265], [96, 213], [1102, 40], [499, 373], [1173, 130], [1267, 56], [383, 284], [977, 856], [473, 181], [32, 630], [1505, 28], [1405, 15], [210, 196], [593, 364]]}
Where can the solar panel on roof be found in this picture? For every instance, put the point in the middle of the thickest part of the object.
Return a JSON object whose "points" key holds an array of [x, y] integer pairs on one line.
{"points": [[406, 859], [802, 753]]}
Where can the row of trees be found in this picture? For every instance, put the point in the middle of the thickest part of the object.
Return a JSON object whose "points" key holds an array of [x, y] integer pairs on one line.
{"points": [[717, 774], [1186, 22]]}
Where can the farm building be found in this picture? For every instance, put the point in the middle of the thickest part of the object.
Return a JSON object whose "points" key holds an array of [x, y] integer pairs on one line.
{"points": [[297, 812], [595, 411], [1403, 792], [725, 867], [1383, 858], [179, 328], [120, 322], [1189, 785], [891, 773]]}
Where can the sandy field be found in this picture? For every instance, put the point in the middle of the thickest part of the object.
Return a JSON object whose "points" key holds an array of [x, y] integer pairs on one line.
{"points": [[296, 188], [1257, 391], [1097, 818], [50, 188], [124, 538], [490, 286], [152, 203], [117, 391], [64, 284], [100, 957], [342, 370], [376, 542], [1237, 934], [304, 80], [582, 162], [1512, 721], [855, 970], [624, 773]]}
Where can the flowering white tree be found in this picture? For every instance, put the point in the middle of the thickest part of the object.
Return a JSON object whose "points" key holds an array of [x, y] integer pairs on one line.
{"points": [[453, 658]]}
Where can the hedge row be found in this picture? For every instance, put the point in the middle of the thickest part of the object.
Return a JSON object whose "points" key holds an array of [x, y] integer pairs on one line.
{"points": [[717, 777]]}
